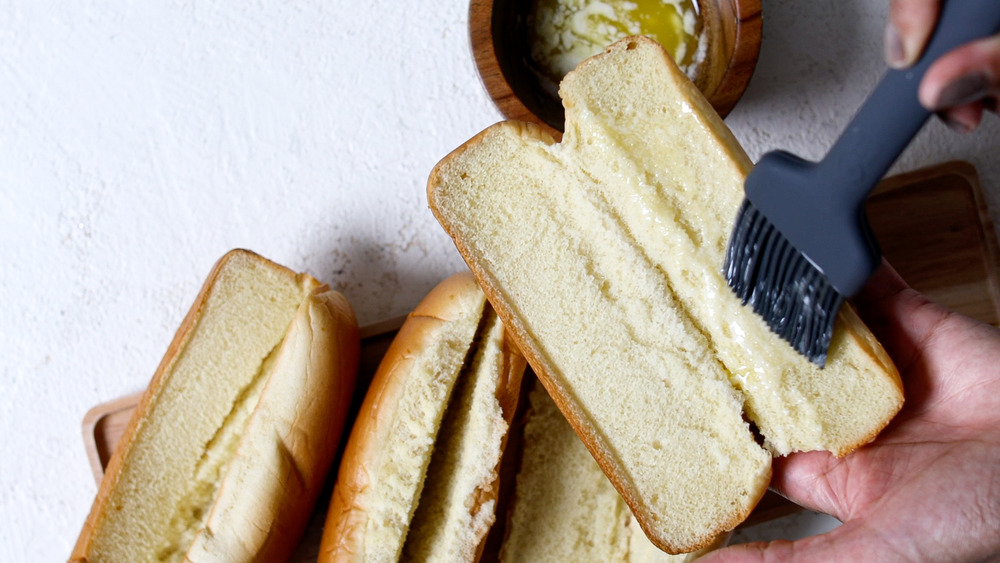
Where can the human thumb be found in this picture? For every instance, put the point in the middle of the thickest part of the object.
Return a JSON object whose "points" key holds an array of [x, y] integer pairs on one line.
{"points": [[845, 543]]}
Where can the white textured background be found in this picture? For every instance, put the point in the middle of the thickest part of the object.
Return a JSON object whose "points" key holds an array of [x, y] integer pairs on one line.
{"points": [[141, 141]]}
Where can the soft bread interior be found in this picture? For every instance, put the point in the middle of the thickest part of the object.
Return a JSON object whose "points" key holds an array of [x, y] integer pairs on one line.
{"points": [[167, 473], [382, 471], [419, 478], [564, 507], [602, 255], [633, 372], [285, 450], [458, 502], [686, 171]]}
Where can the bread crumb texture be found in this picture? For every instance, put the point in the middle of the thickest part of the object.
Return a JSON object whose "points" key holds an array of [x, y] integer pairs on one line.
{"points": [[400, 465], [603, 253], [457, 505], [564, 507]]}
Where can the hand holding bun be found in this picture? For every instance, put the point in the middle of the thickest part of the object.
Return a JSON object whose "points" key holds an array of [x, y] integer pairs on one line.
{"points": [[926, 489], [602, 256]]}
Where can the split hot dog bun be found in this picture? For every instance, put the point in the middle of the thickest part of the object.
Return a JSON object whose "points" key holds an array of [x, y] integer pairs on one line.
{"points": [[602, 255], [234, 437], [419, 477], [563, 507]]}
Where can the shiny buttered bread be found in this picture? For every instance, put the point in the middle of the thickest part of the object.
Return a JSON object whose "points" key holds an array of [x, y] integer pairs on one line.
{"points": [[232, 441], [602, 255], [420, 473]]}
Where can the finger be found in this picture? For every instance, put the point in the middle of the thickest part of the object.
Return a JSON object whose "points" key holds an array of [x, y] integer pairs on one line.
{"points": [[879, 302], [898, 316], [844, 543], [910, 25], [963, 119], [885, 283], [967, 74], [812, 480], [757, 552]]}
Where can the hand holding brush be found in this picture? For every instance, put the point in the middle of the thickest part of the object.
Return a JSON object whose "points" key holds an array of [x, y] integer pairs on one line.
{"points": [[927, 489], [801, 243], [961, 84]]}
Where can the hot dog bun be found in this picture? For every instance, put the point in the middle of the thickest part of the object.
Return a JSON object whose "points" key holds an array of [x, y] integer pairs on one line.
{"points": [[602, 256], [418, 479], [233, 439], [563, 507]]}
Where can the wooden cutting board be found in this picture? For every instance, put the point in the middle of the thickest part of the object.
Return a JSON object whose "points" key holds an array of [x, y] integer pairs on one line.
{"points": [[934, 227]]}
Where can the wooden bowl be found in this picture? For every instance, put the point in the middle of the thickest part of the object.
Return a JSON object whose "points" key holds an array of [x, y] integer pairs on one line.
{"points": [[500, 45]]}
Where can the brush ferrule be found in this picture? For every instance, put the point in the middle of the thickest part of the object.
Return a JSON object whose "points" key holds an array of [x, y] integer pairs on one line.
{"points": [[800, 200]]}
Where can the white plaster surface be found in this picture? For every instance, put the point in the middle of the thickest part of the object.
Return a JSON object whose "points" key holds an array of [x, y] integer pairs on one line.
{"points": [[139, 141]]}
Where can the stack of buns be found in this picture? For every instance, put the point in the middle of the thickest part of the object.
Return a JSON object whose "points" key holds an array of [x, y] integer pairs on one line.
{"points": [[231, 443], [602, 255], [421, 473], [234, 437]]}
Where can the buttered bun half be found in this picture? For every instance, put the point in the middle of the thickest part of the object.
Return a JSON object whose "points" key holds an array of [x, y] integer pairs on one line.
{"points": [[418, 480], [234, 437], [602, 254]]}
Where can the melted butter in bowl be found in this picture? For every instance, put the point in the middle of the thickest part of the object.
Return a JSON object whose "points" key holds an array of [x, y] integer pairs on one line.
{"points": [[523, 48], [563, 33]]}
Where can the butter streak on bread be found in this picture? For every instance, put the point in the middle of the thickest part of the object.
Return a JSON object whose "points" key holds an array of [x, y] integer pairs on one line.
{"points": [[232, 440], [418, 479], [602, 255]]}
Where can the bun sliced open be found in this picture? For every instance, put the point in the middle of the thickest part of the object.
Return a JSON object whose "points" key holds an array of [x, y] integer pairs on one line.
{"points": [[563, 507], [602, 255], [232, 440], [418, 479]]}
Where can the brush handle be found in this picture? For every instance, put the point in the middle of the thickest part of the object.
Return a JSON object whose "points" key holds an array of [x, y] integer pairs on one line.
{"points": [[820, 207], [892, 114]]}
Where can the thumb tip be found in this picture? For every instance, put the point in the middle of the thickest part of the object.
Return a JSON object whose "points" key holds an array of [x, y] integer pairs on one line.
{"points": [[754, 552]]}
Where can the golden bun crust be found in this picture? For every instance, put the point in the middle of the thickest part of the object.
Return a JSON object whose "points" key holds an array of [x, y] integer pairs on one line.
{"points": [[271, 486], [348, 515], [372, 512]]}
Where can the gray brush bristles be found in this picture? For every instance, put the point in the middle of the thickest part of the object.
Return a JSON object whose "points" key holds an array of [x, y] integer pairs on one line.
{"points": [[792, 296]]}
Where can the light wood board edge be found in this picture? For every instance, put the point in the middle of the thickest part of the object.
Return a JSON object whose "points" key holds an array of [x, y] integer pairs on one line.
{"points": [[988, 233]]}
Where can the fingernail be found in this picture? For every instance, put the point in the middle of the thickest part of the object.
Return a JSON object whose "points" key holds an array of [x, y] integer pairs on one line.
{"points": [[895, 52], [963, 90]]}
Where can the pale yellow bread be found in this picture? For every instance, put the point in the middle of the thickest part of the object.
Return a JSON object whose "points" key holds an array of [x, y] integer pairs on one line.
{"points": [[602, 255], [418, 475], [564, 508], [458, 503], [232, 440]]}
